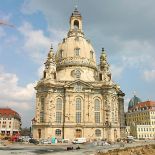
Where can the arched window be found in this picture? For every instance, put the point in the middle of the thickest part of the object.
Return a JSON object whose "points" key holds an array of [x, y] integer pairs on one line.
{"points": [[58, 132], [91, 54], [76, 25], [61, 53], [42, 103], [59, 104], [77, 51], [39, 133], [98, 133], [97, 111], [78, 133], [97, 105], [41, 117], [78, 104], [59, 110], [78, 110], [44, 74]]}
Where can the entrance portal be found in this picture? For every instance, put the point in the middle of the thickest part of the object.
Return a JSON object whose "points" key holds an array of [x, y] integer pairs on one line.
{"points": [[115, 134], [39, 133], [78, 133]]}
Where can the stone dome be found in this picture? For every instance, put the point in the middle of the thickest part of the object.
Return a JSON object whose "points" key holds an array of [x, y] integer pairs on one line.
{"points": [[75, 52], [134, 101]]}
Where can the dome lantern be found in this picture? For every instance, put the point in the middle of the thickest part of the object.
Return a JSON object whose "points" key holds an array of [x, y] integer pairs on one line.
{"points": [[75, 23]]}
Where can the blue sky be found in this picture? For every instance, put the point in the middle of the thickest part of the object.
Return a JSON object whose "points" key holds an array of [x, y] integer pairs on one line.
{"points": [[124, 28]]}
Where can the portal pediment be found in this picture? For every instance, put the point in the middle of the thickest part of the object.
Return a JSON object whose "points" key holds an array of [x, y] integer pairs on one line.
{"points": [[78, 83]]}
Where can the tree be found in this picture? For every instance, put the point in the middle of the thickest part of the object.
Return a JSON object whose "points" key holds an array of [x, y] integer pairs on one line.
{"points": [[25, 131]]}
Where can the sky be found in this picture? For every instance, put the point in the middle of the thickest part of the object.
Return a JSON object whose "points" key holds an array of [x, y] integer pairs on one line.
{"points": [[124, 28]]}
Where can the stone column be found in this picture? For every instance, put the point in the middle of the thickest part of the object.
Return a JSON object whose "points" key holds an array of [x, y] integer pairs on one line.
{"points": [[121, 114]]}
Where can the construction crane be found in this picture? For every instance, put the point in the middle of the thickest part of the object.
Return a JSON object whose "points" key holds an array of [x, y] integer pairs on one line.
{"points": [[5, 23]]}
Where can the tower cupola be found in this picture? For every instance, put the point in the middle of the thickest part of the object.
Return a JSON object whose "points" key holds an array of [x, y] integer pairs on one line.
{"points": [[75, 23]]}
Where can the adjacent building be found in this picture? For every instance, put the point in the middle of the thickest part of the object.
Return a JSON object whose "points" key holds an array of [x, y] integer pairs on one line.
{"points": [[141, 118], [76, 97], [10, 122]]}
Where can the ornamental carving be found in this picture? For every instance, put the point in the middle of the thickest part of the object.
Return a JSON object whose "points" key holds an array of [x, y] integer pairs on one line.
{"points": [[76, 61]]}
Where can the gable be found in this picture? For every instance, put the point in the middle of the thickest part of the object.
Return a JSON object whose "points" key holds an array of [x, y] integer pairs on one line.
{"points": [[78, 83]]}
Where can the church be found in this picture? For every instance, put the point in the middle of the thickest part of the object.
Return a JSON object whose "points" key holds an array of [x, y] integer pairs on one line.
{"points": [[76, 97]]}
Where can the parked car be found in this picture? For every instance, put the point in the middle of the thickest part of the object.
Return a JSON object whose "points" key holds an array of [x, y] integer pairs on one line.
{"points": [[45, 141], [79, 141], [33, 141], [130, 139], [25, 138], [65, 140]]}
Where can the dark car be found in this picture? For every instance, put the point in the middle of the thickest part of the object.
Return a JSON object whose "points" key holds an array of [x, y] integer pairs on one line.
{"points": [[33, 141]]}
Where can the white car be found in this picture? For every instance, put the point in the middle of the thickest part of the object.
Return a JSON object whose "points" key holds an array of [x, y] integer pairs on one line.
{"points": [[45, 141], [79, 140]]}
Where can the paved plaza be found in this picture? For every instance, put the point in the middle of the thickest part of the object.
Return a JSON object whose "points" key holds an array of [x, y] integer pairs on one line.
{"points": [[59, 149]]}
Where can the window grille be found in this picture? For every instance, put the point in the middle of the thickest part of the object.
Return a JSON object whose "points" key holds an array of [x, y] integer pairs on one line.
{"points": [[98, 133], [58, 117], [97, 117], [58, 132], [78, 117], [77, 51], [59, 104]]}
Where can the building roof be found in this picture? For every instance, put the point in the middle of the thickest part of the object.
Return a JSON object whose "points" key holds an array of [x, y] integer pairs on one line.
{"points": [[145, 104], [8, 112]]}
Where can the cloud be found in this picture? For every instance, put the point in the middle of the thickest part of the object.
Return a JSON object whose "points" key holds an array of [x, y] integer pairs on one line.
{"points": [[14, 95], [126, 102], [116, 26], [149, 75], [35, 42], [5, 17], [117, 71], [40, 71], [127, 19], [56, 36], [11, 40], [16, 105], [19, 98], [2, 33], [134, 54]]}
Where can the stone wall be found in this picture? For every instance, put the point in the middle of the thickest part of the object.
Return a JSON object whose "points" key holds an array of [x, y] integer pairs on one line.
{"points": [[140, 150]]}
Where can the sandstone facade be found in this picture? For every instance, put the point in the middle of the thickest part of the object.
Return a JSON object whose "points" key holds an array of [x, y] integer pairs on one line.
{"points": [[76, 97]]}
